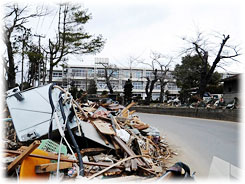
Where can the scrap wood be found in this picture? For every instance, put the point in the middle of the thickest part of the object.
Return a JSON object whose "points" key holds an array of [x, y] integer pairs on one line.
{"points": [[92, 151], [104, 127], [116, 164], [23, 155], [55, 157], [114, 121], [113, 172], [43, 168], [89, 109], [127, 149], [125, 114], [169, 154], [101, 135], [131, 112], [115, 144], [128, 107], [23, 148]]}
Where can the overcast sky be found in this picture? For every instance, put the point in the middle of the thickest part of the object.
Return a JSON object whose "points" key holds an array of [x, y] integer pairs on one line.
{"points": [[137, 27]]}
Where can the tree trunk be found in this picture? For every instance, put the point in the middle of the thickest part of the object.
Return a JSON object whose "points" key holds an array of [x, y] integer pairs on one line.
{"points": [[161, 93], [202, 87], [149, 94], [51, 68], [11, 68], [109, 86], [148, 97]]}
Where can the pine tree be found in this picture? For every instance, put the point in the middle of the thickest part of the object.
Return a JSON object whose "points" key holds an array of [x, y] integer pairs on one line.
{"points": [[128, 88], [92, 89]]}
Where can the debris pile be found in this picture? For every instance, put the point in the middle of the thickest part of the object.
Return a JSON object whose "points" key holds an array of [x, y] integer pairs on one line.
{"points": [[59, 137]]}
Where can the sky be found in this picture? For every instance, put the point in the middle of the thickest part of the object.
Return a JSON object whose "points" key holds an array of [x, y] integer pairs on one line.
{"points": [[138, 27]]}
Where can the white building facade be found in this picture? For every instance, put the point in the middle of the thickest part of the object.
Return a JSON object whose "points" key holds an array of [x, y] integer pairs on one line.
{"points": [[81, 75]]}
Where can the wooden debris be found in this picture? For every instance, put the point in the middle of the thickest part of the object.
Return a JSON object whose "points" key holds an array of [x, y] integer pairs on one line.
{"points": [[92, 151], [101, 135], [43, 168], [128, 107], [127, 149], [104, 128], [23, 155], [145, 150], [118, 163], [55, 157]]}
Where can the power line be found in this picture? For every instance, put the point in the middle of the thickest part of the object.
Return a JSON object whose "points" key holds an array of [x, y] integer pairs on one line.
{"points": [[39, 18], [44, 17], [51, 22]]}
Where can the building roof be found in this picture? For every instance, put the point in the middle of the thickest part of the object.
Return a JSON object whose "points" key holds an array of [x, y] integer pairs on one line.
{"points": [[234, 77]]}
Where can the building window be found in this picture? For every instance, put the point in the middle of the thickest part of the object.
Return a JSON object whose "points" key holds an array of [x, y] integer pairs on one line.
{"points": [[78, 72], [115, 84], [126, 74], [155, 96], [172, 86], [101, 84], [170, 75], [115, 73], [90, 72], [101, 72], [137, 74], [149, 74], [57, 74], [157, 86], [137, 85]]}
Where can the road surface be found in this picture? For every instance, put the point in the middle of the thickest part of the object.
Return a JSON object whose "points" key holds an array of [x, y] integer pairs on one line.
{"points": [[199, 142]]}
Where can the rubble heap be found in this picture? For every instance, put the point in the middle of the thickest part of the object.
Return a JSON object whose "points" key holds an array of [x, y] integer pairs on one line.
{"points": [[111, 139]]}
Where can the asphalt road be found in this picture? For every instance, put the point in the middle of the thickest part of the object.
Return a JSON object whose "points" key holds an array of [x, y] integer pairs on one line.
{"points": [[199, 141]]}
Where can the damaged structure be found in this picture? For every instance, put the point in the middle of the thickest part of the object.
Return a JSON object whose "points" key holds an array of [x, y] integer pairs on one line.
{"points": [[50, 135]]}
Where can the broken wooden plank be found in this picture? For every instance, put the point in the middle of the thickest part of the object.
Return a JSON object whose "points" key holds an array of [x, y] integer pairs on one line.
{"points": [[23, 155], [44, 168], [125, 114], [92, 151], [115, 122], [116, 146], [131, 112], [104, 127], [116, 164], [101, 135], [55, 157], [127, 149], [128, 107]]}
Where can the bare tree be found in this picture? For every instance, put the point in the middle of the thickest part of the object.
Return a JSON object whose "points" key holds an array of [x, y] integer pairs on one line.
{"points": [[207, 51], [109, 74], [14, 24], [151, 80], [164, 63]]}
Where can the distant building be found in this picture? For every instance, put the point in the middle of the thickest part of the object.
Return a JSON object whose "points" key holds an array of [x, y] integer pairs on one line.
{"points": [[81, 75], [231, 87]]}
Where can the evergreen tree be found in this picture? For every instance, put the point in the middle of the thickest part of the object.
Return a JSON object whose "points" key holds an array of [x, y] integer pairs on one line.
{"points": [[92, 89], [128, 87]]}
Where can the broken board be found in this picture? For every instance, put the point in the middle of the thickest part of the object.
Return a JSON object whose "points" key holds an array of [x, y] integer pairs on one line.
{"points": [[104, 128]]}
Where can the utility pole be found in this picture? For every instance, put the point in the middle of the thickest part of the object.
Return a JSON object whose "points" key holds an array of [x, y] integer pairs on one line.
{"points": [[39, 63]]}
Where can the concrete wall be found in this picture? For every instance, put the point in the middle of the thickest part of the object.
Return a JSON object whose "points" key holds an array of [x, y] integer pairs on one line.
{"points": [[217, 114]]}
